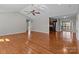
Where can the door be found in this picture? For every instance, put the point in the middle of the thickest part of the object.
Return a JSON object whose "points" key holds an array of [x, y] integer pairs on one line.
{"points": [[66, 26], [52, 25]]}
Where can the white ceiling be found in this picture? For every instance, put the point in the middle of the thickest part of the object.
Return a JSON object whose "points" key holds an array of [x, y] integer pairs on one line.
{"points": [[11, 7], [59, 10], [54, 9]]}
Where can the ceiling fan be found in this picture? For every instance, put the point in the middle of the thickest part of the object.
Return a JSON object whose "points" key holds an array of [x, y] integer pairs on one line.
{"points": [[34, 9], [34, 12]]}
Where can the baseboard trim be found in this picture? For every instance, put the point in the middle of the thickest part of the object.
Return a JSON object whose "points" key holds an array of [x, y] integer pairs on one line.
{"points": [[11, 33], [22, 32], [41, 32]]}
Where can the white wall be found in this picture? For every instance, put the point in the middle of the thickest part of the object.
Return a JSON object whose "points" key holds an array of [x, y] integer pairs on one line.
{"points": [[73, 18], [40, 23], [77, 27], [11, 23]]}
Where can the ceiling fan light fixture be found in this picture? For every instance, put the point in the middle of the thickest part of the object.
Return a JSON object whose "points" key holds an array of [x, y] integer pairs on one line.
{"points": [[37, 12], [34, 9]]}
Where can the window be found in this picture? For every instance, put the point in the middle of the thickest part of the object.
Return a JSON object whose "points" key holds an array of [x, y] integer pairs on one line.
{"points": [[66, 25]]}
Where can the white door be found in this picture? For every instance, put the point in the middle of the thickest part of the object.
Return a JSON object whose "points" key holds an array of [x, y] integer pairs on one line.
{"points": [[66, 26]]}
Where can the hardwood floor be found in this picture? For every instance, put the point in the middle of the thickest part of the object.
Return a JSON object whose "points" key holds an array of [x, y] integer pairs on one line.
{"points": [[39, 43]]}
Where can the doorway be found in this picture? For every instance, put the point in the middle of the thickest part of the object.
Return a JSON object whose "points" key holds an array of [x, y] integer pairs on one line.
{"points": [[52, 24], [66, 26]]}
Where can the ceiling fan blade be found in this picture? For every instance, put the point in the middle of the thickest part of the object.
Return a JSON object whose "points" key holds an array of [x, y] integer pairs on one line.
{"points": [[33, 11], [37, 12], [33, 14]]}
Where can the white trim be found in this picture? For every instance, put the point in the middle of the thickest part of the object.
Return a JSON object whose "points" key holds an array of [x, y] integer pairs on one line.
{"points": [[41, 32], [11, 33]]}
